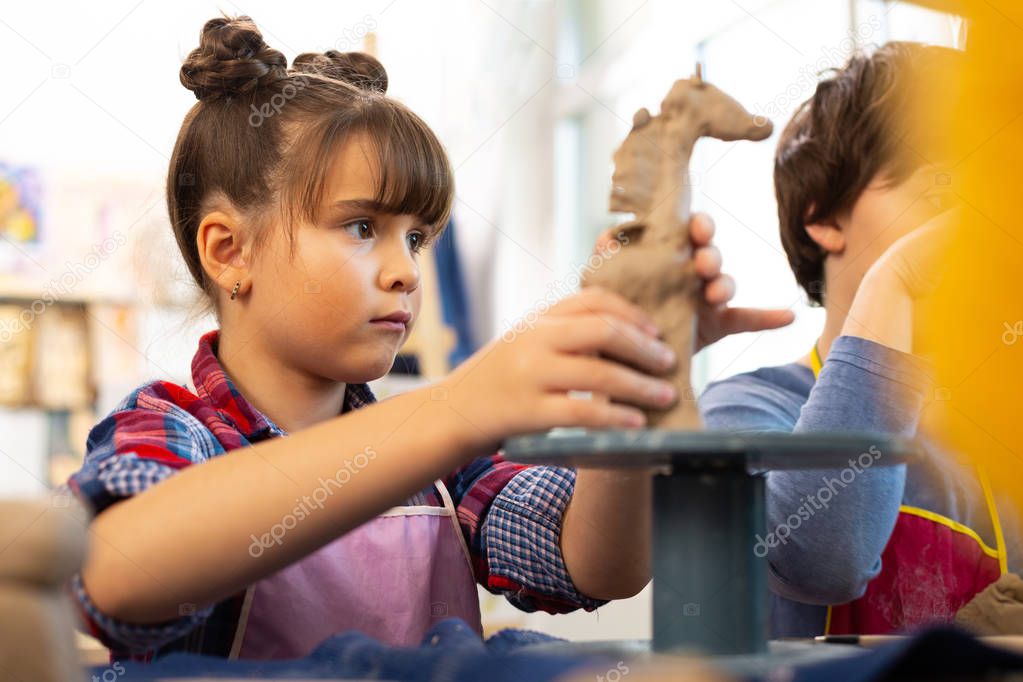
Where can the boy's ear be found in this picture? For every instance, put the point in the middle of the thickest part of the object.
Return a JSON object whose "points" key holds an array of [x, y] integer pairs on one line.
{"points": [[828, 236], [219, 241]]}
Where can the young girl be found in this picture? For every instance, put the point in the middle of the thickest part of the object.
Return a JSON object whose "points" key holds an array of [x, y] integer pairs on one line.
{"points": [[301, 199]]}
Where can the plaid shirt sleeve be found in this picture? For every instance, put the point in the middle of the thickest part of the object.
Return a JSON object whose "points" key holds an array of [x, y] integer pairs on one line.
{"points": [[511, 516], [129, 451]]}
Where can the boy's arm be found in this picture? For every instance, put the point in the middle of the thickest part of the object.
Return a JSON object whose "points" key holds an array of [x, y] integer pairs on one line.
{"points": [[828, 532], [838, 522], [870, 382]]}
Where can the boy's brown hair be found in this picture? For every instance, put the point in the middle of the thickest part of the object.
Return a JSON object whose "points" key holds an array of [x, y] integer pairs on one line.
{"points": [[882, 114], [263, 135]]}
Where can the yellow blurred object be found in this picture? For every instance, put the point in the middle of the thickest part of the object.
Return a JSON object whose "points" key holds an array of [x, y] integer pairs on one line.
{"points": [[431, 340], [973, 328]]}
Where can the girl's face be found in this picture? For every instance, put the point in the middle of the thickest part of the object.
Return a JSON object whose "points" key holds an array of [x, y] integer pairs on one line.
{"points": [[319, 297]]}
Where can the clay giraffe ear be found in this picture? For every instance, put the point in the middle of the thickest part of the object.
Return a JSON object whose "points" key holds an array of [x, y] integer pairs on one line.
{"points": [[641, 118]]}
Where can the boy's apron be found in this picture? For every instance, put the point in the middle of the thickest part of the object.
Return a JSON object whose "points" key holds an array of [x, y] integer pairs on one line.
{"points": [[930, 568], [391, 578]]}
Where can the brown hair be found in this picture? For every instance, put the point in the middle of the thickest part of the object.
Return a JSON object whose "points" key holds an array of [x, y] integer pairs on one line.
{"points": [[868, 118], [263, 135]]}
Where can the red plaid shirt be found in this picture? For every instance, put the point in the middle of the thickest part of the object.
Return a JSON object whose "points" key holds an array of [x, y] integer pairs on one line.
{"points": [[510, 514]]}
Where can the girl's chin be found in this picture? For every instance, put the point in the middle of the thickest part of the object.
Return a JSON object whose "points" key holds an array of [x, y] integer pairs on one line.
{"points": [[370, 371]]}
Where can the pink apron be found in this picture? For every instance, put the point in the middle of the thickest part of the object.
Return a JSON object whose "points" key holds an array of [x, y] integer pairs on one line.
{"points": [[392, 578]]}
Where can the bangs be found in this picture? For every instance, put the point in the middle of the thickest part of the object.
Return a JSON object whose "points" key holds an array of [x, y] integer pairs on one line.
{"points": [[412, 173], [415, 174]]}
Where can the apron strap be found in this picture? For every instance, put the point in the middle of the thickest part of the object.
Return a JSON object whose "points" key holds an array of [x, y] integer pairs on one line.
{"points": [[992, 506], [243, 620], [445, 496]]}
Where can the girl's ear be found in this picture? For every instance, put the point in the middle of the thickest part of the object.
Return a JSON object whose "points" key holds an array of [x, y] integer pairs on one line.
{"points": [[220, 243]]}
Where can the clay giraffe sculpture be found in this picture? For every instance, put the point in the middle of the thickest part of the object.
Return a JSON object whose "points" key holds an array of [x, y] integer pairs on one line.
{"points": [[653, 269]]}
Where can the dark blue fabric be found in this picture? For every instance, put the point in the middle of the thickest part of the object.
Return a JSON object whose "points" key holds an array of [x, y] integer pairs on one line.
{"points": [[454, 300], [450, 652], [941, 654]]}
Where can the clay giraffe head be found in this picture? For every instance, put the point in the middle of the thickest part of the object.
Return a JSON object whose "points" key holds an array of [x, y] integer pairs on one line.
{"points": [[662, 144], [706, 111]]}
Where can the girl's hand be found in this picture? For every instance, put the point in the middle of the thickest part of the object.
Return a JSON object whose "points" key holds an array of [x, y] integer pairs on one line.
{"points": [[715, 319], [593, 341]]}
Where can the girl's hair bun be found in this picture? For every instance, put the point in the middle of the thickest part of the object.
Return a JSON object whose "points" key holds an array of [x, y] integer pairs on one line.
{"points": [[355, 68], [231, 59]]}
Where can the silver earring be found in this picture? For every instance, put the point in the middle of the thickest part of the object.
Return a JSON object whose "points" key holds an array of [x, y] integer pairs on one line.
{"points": [[234, 291]]}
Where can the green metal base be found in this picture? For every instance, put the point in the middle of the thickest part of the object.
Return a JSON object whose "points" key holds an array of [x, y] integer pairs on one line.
{"points": [[710, 587]]}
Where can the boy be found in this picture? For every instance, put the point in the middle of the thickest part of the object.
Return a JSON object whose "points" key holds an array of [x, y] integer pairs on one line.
{"points": [[864, 549]]}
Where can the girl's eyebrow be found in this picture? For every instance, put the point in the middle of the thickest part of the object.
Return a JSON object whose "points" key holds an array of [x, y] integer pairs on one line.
{"points": [[349, 206], [363, 205]]}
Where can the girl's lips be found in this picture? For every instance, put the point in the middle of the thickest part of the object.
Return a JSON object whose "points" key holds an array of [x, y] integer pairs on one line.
{"points": [[396, 321], [389, 325], [402, 316]]}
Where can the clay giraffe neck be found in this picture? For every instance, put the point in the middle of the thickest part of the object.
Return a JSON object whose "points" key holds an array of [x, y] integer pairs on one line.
{"points": [[667, 223]]}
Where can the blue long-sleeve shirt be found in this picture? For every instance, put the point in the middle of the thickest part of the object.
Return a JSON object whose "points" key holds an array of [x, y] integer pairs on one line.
{"points": [[833, 540]]}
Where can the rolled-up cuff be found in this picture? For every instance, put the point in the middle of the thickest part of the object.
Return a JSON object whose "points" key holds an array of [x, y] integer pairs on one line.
{"points": [[133, 638], [522, 533]]}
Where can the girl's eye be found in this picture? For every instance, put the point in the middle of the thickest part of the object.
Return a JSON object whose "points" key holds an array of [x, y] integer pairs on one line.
{"points": [[416, 241], [360, 229]]}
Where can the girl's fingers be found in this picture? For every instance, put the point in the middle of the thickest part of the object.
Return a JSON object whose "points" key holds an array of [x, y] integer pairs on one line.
{"points": [[616, 381], [597, 301], [591, 414], [701, 229], [614, 338], [719, 291], [738, 320]]}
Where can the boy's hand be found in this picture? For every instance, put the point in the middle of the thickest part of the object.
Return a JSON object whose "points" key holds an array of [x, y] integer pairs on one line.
{"points": [[594, 341], [715, 319], [912, 264], [910, 270]]}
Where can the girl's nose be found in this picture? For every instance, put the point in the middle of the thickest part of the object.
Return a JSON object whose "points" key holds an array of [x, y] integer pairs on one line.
{"points": [[399, 271]]}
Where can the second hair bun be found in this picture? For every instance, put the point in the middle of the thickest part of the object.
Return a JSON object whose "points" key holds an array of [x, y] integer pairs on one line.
{"points": [[355, 68]]}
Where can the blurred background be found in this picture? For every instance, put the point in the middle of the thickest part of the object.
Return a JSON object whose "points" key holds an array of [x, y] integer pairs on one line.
{"points": [[530, 97]]}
